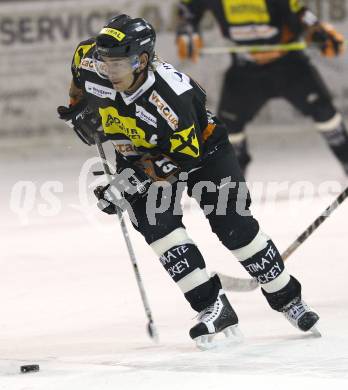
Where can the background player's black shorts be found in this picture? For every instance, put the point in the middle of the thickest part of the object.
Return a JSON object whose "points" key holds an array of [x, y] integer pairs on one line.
{"points": [[247, 87]]}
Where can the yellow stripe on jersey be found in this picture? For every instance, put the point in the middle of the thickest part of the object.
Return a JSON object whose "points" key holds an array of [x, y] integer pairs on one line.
{"points": [[241, 11], [296, 5], [114, 123], [117, 34], [80, 53], [185, 141]]}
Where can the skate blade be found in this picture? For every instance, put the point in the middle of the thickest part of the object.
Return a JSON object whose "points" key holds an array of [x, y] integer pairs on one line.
{"points": [[233, 336], [315, 331]]}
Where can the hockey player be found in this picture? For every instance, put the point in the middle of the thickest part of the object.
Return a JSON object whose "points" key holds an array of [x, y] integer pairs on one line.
{"points": [[157, 120], [254, 78]]}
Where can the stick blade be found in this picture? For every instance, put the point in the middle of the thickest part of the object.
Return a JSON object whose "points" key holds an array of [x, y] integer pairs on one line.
{"points": [[152, 331]]}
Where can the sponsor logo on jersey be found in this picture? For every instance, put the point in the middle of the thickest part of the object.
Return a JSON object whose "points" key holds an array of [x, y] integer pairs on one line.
{"points": [[164, 110], [100, 90], [117, 34], [87, 64], [114, 123], [185, 141], [145, 116], [247, 33], [125, 147], [242, 12]]}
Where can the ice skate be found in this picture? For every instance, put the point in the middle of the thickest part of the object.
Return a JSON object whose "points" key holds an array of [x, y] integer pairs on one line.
{"points": [[217, 318], [301, 316]]}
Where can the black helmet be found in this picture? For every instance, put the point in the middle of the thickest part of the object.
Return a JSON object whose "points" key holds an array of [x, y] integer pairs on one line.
{"points": [[126, 37]]}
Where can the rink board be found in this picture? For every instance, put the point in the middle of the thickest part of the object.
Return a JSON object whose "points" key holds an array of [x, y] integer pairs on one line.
{"points": [[37, 39]]}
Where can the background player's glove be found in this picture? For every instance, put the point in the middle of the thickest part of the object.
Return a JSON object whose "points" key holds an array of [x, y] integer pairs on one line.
{"points": [[188, 42], [126, 187], [82, 119], [159, 168], [330, 41]]}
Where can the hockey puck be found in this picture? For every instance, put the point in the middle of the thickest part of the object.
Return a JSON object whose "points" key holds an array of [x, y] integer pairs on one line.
{"points": [[30, 368]]}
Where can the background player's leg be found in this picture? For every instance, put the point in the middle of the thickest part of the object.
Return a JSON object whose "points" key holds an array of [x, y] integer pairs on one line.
{"points": [[335, 133], [244, 91], [307, 91]]}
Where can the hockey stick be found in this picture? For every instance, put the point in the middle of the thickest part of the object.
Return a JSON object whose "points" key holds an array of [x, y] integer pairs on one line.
{"points": [[151, 329], [293, 46], [231, 283]]}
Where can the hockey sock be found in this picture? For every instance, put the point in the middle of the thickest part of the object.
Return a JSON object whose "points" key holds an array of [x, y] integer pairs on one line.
{"points": [[185, 265], [263, 262]]}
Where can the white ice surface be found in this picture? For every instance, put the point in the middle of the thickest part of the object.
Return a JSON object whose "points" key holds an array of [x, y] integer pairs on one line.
{"points": [[69, 300]]}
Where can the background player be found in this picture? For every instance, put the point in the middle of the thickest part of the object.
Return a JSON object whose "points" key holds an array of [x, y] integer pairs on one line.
{"points": [[254, 78]]}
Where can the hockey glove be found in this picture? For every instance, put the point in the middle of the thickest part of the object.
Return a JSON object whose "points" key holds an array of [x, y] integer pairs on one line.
{"points": [[125, 189], [159, 168], [330, 41], [82, 119]]}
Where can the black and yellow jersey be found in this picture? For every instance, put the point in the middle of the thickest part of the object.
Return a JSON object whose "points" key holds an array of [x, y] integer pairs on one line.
{"points": [[167, 114], [249, 22]]}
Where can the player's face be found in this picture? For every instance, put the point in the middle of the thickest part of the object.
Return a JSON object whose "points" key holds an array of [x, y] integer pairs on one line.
{"points": [[120, 71]]}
